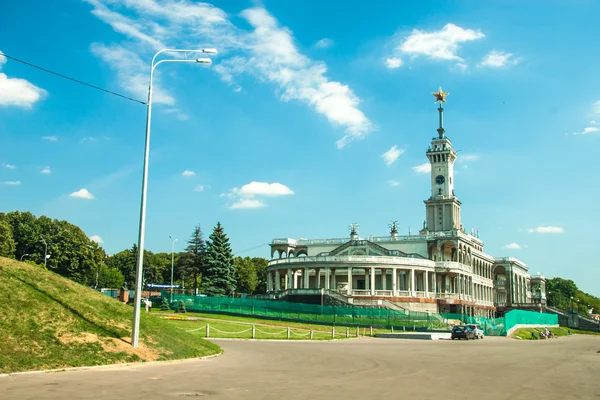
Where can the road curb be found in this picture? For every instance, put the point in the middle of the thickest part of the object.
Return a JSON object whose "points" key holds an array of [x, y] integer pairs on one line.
{"points": [[85, 368]]}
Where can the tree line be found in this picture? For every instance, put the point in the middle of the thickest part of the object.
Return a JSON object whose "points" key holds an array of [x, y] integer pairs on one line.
{"points": [[564, 294], [207, 267]]}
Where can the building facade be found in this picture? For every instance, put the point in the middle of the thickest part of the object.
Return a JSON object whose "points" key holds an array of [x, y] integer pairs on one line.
{"points": [[440, 269]]}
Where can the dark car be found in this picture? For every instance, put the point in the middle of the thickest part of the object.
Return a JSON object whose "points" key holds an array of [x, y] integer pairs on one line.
{"points": [[462, 332]]}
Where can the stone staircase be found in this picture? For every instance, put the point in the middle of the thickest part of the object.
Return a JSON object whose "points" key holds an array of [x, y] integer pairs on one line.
{"points": [[577, 321]]}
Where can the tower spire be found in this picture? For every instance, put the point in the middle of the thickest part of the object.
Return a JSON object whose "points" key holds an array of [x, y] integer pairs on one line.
{"points": [[440, 97]]}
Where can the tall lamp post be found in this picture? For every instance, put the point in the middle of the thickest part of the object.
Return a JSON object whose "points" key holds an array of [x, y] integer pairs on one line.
{"points": [[46, 256], [172, 263], [135, 331], [571, 304], [24, 255]]}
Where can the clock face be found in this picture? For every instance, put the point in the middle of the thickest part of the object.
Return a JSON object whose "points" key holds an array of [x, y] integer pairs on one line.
{"points": [[439, 179]]}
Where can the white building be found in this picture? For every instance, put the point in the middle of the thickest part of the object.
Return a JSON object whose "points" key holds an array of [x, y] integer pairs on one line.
{"points": [[442, 269]]}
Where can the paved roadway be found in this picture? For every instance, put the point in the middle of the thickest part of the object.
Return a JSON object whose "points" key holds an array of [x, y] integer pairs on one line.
{"points": [[494, 368]]}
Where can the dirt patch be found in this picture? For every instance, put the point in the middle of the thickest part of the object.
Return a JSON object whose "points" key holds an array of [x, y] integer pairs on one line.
{"points": [[113, 345]]}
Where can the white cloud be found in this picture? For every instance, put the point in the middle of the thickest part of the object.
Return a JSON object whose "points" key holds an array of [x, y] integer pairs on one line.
{"points": [[438, 45], [178, 114], [18, 92], [88, 139], [497, 59], [82, 194], [324, 43], [46, 170], [393, 183], [246, 195], [12, 183], [50, 138], [592, 122], [390, 156], [263, 189], [10, 166], [132, 72], [187, 172], [237, 89], [248, 203], [423, 168], [546, 229], [200, 188], [393, 62], [512, 246], [597, 107], [269, 54], [587, 131], [461, 67], [96, 238]]}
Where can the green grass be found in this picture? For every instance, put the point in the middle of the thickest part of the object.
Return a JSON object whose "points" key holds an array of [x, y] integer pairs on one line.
{"points": [[49, 322], [228, 326], [525, 333], [229, 312]]}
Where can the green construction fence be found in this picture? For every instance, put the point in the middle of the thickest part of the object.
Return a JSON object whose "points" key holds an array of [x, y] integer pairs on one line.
{"points": [[356, 316]]}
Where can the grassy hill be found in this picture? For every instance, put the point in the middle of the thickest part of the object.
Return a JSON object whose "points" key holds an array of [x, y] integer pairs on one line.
{"points": [[47, 322]]}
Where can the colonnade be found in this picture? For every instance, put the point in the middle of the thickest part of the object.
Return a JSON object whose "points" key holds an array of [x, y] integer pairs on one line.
{"points": [[381, 281], [519, 289]]}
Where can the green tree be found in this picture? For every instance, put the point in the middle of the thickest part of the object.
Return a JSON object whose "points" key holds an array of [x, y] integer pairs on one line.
{"points": [[560, 291], [164, 305], [72, 254], [260, 264], [124, 261], [219, 274], [192, 262], [246, 278], [7, 242], [109, 277]]}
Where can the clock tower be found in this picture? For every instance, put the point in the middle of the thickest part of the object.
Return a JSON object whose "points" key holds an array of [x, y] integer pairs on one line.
{"points": [[442, 208]]}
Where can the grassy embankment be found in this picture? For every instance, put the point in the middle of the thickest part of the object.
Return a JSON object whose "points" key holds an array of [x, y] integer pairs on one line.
{"points": [[49, 322], [229, 326], [525, 333]]}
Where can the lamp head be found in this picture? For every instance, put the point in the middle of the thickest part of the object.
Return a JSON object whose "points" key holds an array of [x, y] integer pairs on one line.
{"points": [[204, 60], [209, 51]]}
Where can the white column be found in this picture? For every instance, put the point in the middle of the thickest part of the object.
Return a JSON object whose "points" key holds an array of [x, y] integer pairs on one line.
{"points": [[383, 279], [349, 281], [268, 281], [333, 280], [426, 278], [277, 280], [367, 284], [412, 282], [434, 282], [372, 281], [288, 281], [305, 276], [327, 272], [394, 282], [317, 278]]}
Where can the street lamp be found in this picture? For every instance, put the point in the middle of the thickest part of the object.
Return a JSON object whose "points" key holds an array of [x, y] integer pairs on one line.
{"points": [[172, 263], [46, 255], [24, 255], [571, 304], [135, 331]]}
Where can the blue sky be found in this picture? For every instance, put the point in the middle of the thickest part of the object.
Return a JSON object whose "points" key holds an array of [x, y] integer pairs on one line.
{"points": [[304, 99]]}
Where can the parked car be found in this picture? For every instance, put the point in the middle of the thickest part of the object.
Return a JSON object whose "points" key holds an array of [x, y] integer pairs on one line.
{"points": [[477, 329], [462, 332]]}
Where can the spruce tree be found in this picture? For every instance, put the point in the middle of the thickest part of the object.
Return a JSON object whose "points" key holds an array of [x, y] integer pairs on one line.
{"points": [[192, 262], [165, 306], [219, 274]]}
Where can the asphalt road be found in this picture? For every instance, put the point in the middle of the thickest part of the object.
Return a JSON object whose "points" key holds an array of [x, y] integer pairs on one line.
{"points": [[494, 368]]}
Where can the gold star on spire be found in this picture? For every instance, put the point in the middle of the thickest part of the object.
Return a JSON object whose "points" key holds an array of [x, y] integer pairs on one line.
{"points": [[440, 96]]}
